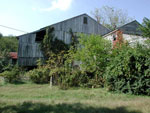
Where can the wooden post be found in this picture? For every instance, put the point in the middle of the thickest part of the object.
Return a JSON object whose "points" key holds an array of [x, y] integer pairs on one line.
{"points": [[51, 81]]}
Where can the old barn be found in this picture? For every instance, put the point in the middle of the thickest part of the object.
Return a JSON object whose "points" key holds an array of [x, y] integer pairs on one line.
{"points": [[29, 51]]}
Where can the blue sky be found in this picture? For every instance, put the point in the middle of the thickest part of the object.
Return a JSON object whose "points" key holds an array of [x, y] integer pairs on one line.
{"points": [[30, 15]]}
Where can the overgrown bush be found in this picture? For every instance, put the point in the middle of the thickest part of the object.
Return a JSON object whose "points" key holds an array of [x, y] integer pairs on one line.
{"points": [[74, 78], [7, 44], [39, 75], [4, 61], [12, 75], [93, 53], [129, 70], [86, 62]]}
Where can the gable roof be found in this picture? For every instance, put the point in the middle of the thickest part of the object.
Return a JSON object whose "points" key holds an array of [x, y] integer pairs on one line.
{"points": [[131, 28], [74, 18]]}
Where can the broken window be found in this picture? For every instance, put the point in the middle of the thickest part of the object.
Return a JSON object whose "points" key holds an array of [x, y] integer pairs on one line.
{"points": [[85, 21], [40, 36]]}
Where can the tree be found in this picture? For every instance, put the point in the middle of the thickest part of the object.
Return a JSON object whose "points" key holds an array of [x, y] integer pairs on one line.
{"points": [[145, 28], [93, 52], [9, 44], [111, 17]]}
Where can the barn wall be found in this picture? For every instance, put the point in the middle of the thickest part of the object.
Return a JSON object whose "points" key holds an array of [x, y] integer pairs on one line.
{"points": [[76, 24], [29, 50], [94, 28]]}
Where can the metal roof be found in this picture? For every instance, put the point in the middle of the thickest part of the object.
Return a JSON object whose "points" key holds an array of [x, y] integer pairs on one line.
{"points": [[132, 28], [13, 55]]}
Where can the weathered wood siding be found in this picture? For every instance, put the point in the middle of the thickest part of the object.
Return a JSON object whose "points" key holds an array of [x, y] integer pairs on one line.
{"points": [[76, 24], [29, 50]]}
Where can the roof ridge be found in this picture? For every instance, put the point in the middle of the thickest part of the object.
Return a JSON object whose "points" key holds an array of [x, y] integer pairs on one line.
{"points": [[65, 20], [129, 23]]}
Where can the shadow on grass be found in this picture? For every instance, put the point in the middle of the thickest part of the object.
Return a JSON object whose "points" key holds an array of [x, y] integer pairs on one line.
{"points": [[29, 107], [19, 82]]}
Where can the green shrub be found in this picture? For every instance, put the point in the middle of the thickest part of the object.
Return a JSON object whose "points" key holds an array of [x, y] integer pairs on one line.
{"points": [[85, 63], [12, 75], [4, 61], [77, 78], [129, 70], [93, 53], [74, 79], [39, 75]]}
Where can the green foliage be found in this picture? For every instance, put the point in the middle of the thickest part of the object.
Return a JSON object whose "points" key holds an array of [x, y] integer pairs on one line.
{"points": [[12, 74], [4, 60], [71, 77], [51, 44], [145, 28], [84, 65], [129, 70], [92, 63], [93, 54], [53, 50], [39, 76], [9, 44]]}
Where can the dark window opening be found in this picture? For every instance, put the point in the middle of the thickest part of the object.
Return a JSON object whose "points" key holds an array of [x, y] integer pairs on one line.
{"points": [[40, 36], [85, 21], [114, 37]]}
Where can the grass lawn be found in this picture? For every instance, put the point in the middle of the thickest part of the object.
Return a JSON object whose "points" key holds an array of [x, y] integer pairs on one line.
{"points": [[32, 98]]}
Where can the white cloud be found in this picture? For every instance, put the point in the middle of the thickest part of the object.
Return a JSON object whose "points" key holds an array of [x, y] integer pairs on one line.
{"points": [[34, 9], [58, 4]]}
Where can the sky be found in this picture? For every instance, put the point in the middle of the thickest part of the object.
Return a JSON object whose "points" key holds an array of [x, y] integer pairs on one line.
{"points": [[31, 15]]}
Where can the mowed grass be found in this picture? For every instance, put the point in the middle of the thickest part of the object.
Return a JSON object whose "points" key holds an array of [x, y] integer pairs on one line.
{"points": [[33, 98]]}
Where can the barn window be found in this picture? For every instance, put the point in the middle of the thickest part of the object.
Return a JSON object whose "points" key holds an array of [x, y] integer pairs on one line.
{"points": [[114, 37], [85, 21], [40, 36]]}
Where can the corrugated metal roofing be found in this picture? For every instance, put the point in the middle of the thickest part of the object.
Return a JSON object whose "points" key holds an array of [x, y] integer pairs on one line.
{"points": [[132, 28]]}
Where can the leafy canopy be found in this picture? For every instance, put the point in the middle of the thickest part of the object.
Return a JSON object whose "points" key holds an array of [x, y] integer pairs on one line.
{"points": [[145, 28], [9, 44], [93, 52]]}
